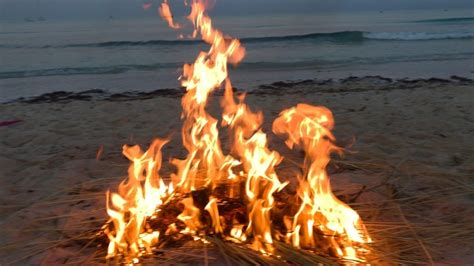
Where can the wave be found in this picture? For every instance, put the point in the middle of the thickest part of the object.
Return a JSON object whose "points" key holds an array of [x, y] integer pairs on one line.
{"points": [[336, 37], [418, 36], [340, 37], [446, 20], [250, 66], [135, 43], [343, 36], [70, 71], [333, 36]]}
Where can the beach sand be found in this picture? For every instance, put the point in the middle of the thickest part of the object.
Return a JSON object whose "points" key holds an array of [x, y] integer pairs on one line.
{"points": [[410, 141]]}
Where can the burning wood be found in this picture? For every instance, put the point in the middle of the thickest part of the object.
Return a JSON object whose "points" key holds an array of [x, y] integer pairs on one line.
{"points": [[238, 196]]}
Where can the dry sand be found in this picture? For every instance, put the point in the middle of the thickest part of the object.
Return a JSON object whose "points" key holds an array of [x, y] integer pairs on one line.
{"points": [[414, 138]]}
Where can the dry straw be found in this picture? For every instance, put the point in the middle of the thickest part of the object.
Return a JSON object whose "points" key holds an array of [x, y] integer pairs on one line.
{"points": [[397, 222]]}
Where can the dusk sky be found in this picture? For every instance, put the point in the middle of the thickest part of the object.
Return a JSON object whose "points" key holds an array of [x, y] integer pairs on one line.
{"points": [[75, 9]]}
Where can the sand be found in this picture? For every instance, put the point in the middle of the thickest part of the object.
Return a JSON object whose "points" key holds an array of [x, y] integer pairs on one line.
{"points": [[414, 137]]}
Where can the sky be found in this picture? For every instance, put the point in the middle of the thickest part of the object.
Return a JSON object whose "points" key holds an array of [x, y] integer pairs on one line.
{"points": [[97, 9]]}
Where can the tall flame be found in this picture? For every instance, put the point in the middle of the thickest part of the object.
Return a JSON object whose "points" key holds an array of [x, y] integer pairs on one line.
{"points": [[310, 127], [137, 198], [205, 159], [320, 215], [258, 161]]}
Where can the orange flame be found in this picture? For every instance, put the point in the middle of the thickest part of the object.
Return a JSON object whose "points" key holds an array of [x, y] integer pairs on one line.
{"points": [[206, 166], [146, 6], [258, 161], [211, 207], [165, 12], [310, 127], [199, 133], [137, 198]]}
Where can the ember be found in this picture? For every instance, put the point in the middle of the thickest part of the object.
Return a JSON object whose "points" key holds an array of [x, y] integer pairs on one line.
{"points": [[231, 195]]}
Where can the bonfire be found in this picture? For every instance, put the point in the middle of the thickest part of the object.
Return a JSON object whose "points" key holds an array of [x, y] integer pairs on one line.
{"points": [[233, 199]]}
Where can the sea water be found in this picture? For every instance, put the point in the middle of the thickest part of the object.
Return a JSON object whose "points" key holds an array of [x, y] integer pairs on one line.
{"points": [[144, 54]]}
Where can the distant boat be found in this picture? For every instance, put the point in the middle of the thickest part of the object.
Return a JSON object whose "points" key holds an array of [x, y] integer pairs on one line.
{"points": [[37, 19], [30, 19]]}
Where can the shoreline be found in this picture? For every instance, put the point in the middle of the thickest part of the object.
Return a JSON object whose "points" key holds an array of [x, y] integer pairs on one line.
{"points": [[323, 85]]}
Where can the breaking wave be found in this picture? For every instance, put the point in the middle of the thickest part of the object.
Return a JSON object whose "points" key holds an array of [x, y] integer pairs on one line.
{"points": [[418, 36], [306, 64], [342, 36], [336, 37], [447, 20]]}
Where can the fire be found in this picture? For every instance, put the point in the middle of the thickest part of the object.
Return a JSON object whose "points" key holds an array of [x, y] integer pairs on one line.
{"points": [[247, 174], [310, 127], [165, 12], [137, 198]]}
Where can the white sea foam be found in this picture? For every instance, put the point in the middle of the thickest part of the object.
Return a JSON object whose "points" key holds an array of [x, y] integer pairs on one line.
{"points": [[413, 36]]}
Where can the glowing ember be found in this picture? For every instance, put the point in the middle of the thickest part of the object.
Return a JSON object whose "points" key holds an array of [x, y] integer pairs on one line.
{"points": [[235, 191]]}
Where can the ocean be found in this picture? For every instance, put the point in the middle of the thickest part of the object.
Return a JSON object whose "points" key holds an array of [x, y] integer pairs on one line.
{"points": [[144, 54]]}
